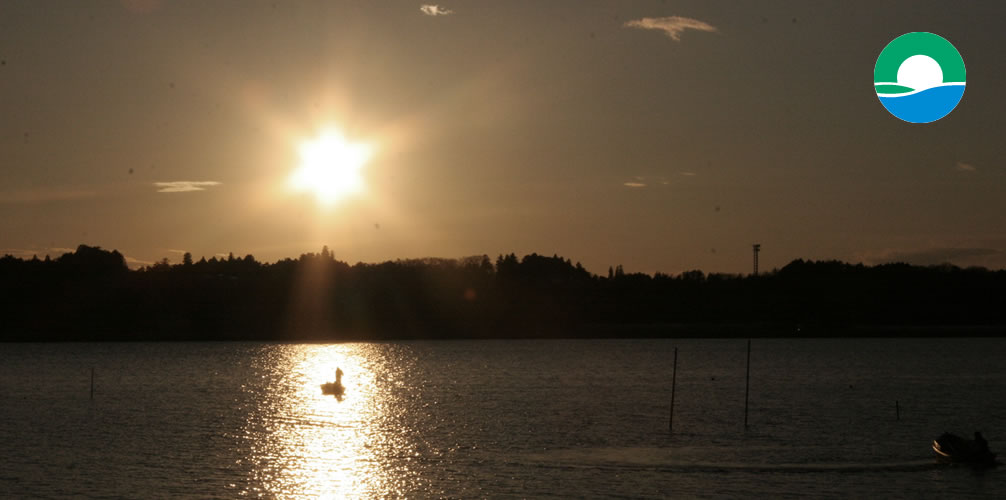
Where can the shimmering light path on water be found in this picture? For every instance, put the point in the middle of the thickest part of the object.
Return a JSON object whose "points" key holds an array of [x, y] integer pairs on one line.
{"points": [[499, 418]]}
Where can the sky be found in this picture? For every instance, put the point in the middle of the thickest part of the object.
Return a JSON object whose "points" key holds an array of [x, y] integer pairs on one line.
{"points": [[662, 136]]}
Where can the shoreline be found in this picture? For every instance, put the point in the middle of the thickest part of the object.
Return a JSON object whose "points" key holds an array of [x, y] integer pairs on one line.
{"points": [[583, 332]]}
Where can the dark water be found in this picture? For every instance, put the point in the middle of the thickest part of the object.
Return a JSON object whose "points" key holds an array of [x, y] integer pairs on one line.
{"points": [[498, 419]]}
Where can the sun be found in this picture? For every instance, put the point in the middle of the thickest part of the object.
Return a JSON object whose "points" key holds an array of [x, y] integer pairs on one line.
{"points": [[330, 167]]}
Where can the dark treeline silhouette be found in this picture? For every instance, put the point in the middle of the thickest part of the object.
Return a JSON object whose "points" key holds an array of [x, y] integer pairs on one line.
{"points": [[90, 294]]}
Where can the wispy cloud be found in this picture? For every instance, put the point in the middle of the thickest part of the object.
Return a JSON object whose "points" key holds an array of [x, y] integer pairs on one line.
{"points": [[184, 186], [43, 195], [435, 10], [962, 256], [640, 181], [688, 174], [56, 252], [134, 263], [672, 26], [965, 167], [27, 253], [19, 252]]}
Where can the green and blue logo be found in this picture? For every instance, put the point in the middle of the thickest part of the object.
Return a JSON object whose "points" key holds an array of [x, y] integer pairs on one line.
{"points": [[919, 77]]}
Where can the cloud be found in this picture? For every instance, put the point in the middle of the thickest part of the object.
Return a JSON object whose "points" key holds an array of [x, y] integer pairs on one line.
{"points": [[671, 26], [688, 174], [41, 252], [435, 10], [19, 252], [961, 256], [965, 167], [56, 252], [184, 186], [43, 195], [133, 263], [634, 184]]}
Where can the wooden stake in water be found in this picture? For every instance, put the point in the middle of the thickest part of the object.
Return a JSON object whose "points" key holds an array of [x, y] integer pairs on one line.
{"points": [[897, 410], [92, 382], [674, 377], [747, 386]]}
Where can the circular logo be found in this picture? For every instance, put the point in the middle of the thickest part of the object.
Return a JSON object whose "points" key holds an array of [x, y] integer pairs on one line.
{"points": [[919, 77]]}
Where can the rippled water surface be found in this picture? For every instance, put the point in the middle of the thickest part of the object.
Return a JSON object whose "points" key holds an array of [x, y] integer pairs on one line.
{"points": [[498, 418]]}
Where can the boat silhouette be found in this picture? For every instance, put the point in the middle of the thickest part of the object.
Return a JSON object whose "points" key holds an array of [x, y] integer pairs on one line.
{"points": [[334, 388], [956, 449]]}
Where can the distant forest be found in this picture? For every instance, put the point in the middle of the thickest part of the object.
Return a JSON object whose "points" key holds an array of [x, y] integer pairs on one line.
{"points": [[90, 294]]}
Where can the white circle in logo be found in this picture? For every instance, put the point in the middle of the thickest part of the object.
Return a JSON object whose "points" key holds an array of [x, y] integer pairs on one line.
{"points": [[920, 72]]}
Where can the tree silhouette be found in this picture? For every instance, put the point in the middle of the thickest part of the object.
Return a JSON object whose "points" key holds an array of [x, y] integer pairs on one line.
{"points": [[90, 294]]}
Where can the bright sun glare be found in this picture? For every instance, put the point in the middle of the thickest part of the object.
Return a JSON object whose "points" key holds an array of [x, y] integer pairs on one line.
{"points": [[330, 167]]}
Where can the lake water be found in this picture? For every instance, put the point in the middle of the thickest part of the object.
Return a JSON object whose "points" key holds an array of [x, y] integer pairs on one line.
{"points": [[556, 418]]}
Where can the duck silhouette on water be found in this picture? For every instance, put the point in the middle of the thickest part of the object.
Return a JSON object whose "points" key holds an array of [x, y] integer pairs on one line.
{"points": [[334, 388]]}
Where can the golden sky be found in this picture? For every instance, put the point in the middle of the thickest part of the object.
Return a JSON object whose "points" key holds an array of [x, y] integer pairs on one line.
{"points": [[664, 136]]}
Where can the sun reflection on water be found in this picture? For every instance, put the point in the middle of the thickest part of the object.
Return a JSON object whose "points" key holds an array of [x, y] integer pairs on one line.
{"points": [[303, 443]]}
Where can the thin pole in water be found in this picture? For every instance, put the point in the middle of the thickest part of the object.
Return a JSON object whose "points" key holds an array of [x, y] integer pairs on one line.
{"points": [[92, 383], [897, 410], [747, 386], [674, 379]]}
